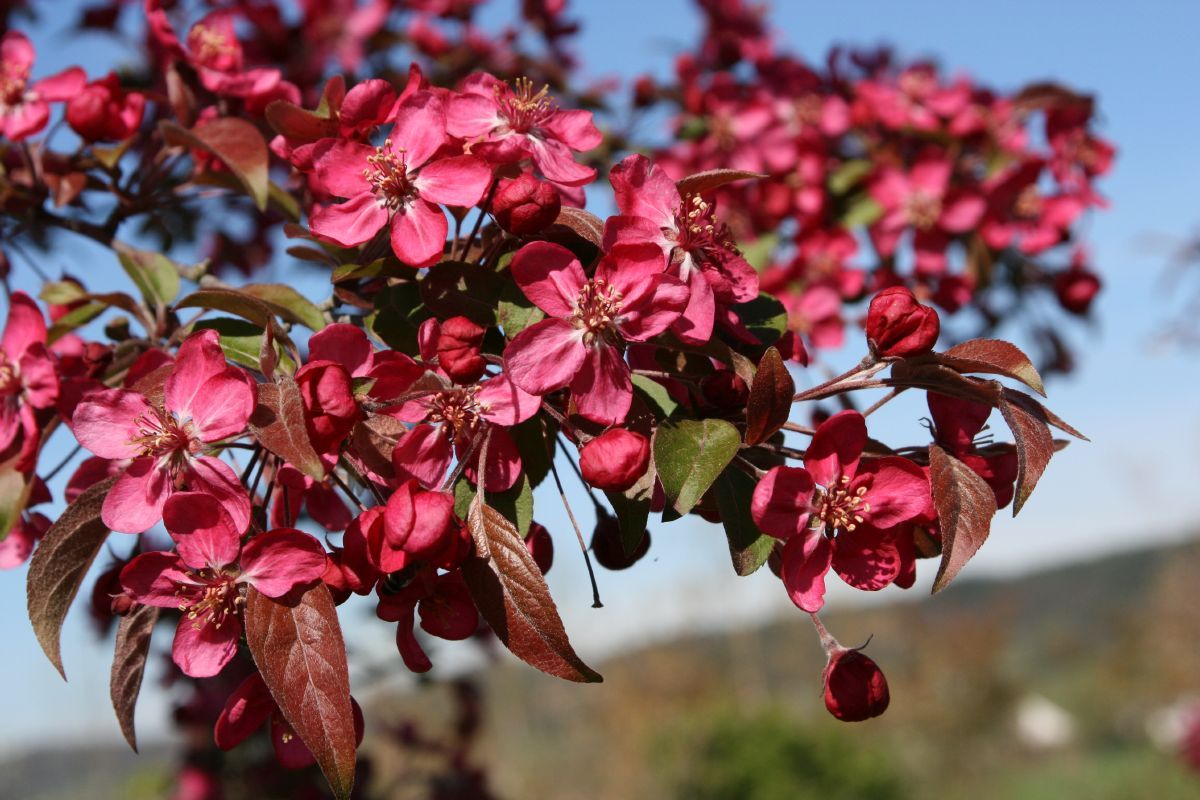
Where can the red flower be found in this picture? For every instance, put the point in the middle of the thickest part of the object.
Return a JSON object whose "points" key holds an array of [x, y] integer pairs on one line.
{"points": [[855, 688], [105, 111], [205, 576], [846, 523], [899, 326], [28, 379], [615, 459], [399, 184], [630, 299], [24, 106]]}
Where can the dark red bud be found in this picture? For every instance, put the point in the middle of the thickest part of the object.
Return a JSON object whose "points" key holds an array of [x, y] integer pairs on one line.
{"points": [[525, 205], [607, 548], [540, 546], [615, 459], [1076, 288], [458, 350], [104, 111], [899, 326], [855, 689], [645, 92]]}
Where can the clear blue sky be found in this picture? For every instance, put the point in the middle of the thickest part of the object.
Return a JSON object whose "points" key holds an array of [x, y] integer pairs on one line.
{"points": [[1133, 484]]}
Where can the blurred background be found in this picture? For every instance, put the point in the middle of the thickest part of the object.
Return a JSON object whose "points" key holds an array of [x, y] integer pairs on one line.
{"points": [[1061, 665]]}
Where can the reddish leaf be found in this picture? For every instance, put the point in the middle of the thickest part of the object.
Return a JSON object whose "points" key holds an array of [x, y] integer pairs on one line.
{"points": [[1037, 409], [231, 301], [129, 665], [713, 178], [943, 380], [294, 122], [300, 652], [965, 506], [58, 565], [995, 357], [373, 441], [585, 224], [1035, 445], [770, 398], [237, 143], [511, 594], [278, 422]]}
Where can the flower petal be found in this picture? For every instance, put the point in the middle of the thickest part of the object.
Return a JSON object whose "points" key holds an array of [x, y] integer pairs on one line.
{"points": [[203, 532], [202, 649], [602, 389], [836, 447], [806, 559], [278, 561], [545, 356], [550, 275]]}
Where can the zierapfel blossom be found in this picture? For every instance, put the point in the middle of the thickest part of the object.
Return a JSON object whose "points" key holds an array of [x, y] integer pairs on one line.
{"points": [[205, 576], [845, 522], [700, 250], [204, 401], [24, 105], [28, 378], [630, 299], [399, 184], [506, 123]]}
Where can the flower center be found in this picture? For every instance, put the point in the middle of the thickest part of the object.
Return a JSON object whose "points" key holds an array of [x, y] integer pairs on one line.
{"points": [[10, 381], [210, 44], [596, 308], [218, 599], [160, 435], [457, 408], [1029, 203], [522, 107], [922, 209], [699, 233], [13, 80], [388, 176], [841, 509]]}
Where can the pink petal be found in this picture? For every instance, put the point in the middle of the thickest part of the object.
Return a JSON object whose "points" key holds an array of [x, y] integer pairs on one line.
{"points": [[550, 275], [105, 422], [39, 376], [340, 166], [470, 116], [134, 504], [545, 356], [223, 406], [278, 561], [866, 558], [504, 403], [203, 532], [602, 389], [645, 190], [326, 508], [344, 343], [806, 559], [419, 233], [420, 128], [25, 119], [898, 490], [16, 51], [290, 750], [836, 448], [646, 317], [25, 326], [245, 712], [422, 453], [575, 129], [782, 501], [200, 359], [367, 105], [350, 223], [459, 181], [61, 86], [555, 160], [155, 578], [504, 462], [637, 230], [215, 477], [202, 649], [962, 214], [17, 546]]}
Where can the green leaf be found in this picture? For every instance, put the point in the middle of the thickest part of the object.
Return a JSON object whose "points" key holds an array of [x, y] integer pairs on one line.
{"points": [[61, 293], [453, 288], [153, 274], [532, 445], [232, 301], [758, 253], [398, 315], [515, 312], [848, 175], [237, 143], [632, 509], [242, 342], [14, 494], [689, 455], [516, 504], [862, 210], [656, 396], [765, 316], [749, 548], [287, 303]]}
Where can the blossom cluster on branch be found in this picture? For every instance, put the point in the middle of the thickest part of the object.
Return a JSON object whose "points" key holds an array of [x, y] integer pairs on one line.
{"points": [[481, 330]]}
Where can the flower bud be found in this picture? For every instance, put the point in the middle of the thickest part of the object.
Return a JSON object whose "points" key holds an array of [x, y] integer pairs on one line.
{"points": [[855, 689], [607, 548], [525, 205], [615, 459], [458, 350], [104, 111], [898, 326], [1076, 288], [417, 523], [540, 546], [330, 409]]}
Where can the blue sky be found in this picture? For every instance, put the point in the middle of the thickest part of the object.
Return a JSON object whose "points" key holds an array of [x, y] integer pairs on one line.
{"points": [[1133, 484]]}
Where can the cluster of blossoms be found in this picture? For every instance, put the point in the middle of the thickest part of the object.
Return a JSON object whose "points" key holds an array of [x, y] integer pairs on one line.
{"points": [[480, 329]]}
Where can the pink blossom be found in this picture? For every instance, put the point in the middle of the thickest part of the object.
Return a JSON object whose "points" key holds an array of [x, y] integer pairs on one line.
{"points": [[506, 123], [24, 106], [204, 401], [630, 299], [845, 524], [205, 576], [28, 379], [699, 249], [399, 184]]}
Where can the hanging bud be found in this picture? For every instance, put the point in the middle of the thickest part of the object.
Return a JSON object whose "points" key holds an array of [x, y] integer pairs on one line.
{"points": [[899, 326], [855, 689], [540, 546], [525, 205], [1076, 288], [615, 459], [458, 350], [607, 548]]}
